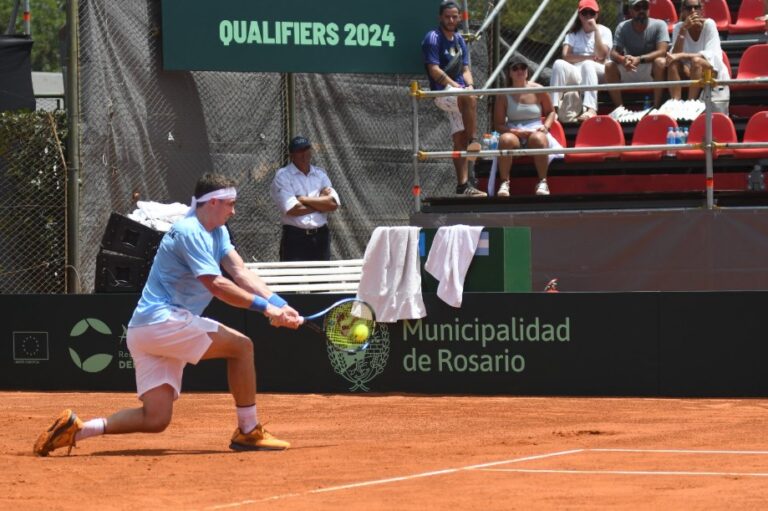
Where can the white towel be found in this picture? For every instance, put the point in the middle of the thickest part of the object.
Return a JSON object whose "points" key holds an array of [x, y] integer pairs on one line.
{"points": [[391, 279], [157, 215], [449, 258]]}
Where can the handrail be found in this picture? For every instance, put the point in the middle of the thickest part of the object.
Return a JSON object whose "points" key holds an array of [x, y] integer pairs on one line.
{"points": [[555, 46], [707, 145], [488, 19], [527, 28]]}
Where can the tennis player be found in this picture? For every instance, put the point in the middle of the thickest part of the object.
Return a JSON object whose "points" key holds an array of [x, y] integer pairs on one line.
{"points": [[167, 332]]}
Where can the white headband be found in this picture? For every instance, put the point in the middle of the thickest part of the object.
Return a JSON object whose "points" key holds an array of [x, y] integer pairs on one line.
{"points": [[221, 193]]}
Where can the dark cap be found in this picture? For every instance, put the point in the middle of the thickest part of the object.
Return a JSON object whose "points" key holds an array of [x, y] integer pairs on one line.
{"points": [[516, 59], [448, 4], [298, 143]]}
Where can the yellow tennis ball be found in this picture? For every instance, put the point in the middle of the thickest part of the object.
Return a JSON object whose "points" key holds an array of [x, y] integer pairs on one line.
{"points": [[360, 333]]}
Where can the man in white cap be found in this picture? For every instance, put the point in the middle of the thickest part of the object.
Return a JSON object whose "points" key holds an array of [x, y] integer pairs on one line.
{"points": [[166, 331], [304, 195]]}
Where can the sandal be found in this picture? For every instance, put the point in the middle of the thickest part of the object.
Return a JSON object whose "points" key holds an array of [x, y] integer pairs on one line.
{"points": [[588, 114]]}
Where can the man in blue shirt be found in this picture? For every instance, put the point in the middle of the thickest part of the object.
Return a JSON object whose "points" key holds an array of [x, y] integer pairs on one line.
{"points": [[167, 331], [446, 60]]}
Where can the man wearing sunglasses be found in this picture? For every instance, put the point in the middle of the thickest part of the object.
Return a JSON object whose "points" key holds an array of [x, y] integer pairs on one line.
{"points": [[695, 47], [639, 50], [446, 60]]}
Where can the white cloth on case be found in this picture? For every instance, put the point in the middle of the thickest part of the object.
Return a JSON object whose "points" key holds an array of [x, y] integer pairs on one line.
{"points": [[391, 279], [449, 258]]}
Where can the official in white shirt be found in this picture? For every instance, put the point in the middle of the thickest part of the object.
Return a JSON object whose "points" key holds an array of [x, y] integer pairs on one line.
{"points": [[305, 196]]}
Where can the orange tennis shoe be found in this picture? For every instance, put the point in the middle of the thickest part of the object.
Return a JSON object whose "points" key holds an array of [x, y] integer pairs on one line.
{"points": [[61, 434], [257, 440]]}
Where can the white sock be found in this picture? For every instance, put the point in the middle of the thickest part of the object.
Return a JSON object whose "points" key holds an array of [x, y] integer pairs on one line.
{"points": [[247, 418], [93, 427]]}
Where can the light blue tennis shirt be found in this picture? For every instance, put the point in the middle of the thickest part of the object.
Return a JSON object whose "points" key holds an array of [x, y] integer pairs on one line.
{"points": [[186, 252]]}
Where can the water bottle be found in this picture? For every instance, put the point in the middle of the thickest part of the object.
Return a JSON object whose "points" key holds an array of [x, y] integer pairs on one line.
{"points": [[670, 140], [486, 142], [647, 103], [755, 181], [495, 140], [678, 136], [685, 135]]}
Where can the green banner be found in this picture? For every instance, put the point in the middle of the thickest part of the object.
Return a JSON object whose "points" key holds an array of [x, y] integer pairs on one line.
{"points": [[337, 36]]}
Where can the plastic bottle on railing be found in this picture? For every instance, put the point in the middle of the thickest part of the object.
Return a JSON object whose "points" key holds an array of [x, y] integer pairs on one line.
{"points": [[685, 135], [647, 103], [495, 140], [486, 142], [670, 140], [755, 179], [679, 136]]}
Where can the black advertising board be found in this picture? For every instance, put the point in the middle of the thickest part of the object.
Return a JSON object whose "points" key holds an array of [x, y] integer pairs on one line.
{"points": [[597, 344]]}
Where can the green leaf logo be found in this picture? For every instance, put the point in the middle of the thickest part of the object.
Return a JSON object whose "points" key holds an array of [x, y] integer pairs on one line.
{"points": [[95, 363]]}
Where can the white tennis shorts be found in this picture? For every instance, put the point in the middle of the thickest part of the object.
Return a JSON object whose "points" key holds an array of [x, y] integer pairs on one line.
{"points": [[161, 351], [450, 105]]}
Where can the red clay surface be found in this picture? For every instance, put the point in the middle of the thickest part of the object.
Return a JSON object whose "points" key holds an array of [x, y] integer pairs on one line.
{"points": [[398, 452]]}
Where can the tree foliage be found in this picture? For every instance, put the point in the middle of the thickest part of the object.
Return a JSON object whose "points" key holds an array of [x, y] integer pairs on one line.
{"points": [[48, 17]]}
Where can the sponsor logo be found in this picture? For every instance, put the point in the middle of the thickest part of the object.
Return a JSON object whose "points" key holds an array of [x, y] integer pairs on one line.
{"points": [[362, 367], [30, 347], [90, 333]]}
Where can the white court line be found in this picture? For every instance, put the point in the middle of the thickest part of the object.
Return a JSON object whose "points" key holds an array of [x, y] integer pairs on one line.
{"points": [[678, 451], [394, 479], [626, 472]]}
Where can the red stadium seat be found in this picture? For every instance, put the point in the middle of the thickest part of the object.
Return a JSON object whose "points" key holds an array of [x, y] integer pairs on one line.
{"points": [[723, 131], [719, 12], [663, 10], [651, 130], [753, 64], [745, 20], [756, 131], [598, 131], [727, 63]]}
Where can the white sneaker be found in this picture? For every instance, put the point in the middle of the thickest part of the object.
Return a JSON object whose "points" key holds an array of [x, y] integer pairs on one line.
{"points": [[503, 189], [542, 188]]}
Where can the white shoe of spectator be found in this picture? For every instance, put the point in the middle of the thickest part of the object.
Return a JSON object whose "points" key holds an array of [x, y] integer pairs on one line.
{"points": [[503, 189], [542, 188]]}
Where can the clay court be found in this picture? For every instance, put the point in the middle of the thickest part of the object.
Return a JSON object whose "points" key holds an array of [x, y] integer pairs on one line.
{"points": [[402, 452]]}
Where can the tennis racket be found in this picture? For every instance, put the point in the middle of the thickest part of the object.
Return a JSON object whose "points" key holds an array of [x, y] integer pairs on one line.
{"points": [[348, 324]]}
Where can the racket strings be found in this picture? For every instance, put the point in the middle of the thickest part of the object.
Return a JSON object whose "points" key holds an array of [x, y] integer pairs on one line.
{"points": [[343, 321]]}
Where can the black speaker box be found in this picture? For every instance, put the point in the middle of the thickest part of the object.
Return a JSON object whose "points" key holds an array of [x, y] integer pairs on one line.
{"points": [[126, 236], [120, 273]]}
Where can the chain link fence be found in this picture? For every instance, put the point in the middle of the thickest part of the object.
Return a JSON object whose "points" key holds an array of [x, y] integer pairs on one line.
{"points": [[32, 202], [150, 134]]}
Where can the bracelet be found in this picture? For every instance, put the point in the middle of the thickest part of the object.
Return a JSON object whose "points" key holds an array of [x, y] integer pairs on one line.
{"points": [[277, 300], [258, 304], [470, 85]]}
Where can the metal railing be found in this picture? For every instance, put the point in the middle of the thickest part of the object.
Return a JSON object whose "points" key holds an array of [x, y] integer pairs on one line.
{"points": [[709, 146]]}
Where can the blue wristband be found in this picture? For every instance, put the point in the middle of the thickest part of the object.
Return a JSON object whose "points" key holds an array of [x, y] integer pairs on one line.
{"points": [[259, 304], [277, 300]]}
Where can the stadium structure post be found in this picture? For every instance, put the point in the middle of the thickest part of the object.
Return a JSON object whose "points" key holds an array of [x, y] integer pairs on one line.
{"points": [[290, 104], [73, 150], [709, 146], [415, 92]]}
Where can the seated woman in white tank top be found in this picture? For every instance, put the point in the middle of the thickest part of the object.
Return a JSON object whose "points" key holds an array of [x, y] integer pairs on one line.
{"points": [[518, 117]]}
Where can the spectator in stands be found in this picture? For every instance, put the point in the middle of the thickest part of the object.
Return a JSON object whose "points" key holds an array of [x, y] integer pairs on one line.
{"points": [[639, 51], [695, 47], [585, 50], [446, 60], [518, 117], [304, 195]]}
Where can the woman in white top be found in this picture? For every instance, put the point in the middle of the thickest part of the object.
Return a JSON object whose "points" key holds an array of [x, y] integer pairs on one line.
{"points": [[585, 50], [518, 117], [696, 48]]}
